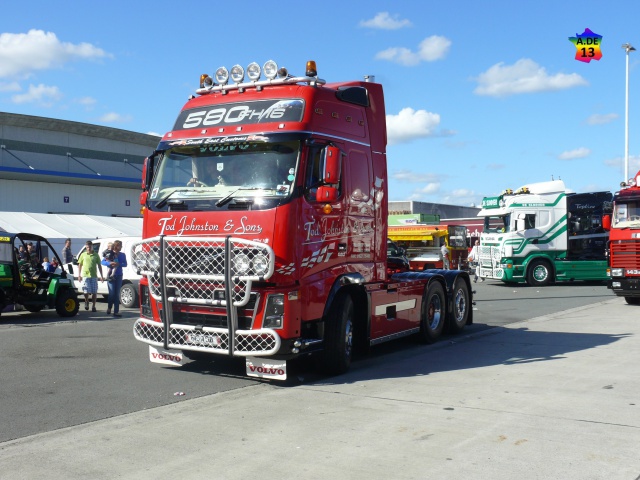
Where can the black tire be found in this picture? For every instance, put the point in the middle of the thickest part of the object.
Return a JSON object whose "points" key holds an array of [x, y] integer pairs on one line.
{"points": [[335, 359], [129, 295], [433, 313], [633, 300], [67, 303], [539, 273], [33, 308], [461, 306]]}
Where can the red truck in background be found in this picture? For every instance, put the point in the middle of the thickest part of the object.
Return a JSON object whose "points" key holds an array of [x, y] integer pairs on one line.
{"points": [[624, 242], [265, 229]]}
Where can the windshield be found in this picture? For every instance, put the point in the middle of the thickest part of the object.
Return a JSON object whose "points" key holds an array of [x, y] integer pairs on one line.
{"points": [[497, 224], [186, 175], [626, 214]]}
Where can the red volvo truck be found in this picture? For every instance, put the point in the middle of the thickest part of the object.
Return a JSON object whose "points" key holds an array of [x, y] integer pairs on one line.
{"points": [[265, 229], [624, 242]]}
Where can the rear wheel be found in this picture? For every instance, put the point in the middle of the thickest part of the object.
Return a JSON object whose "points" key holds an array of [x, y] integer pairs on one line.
{"points": [[461, 306], [432, 315], [67, 303], [338, 338], [539, 273], [633, 300]]}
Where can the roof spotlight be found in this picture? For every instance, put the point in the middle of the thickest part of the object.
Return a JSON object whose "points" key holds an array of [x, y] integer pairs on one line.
{"points": [[253, 71], [205, 80], [237, 73], [222, 76], [282, 72], [270, 69]]}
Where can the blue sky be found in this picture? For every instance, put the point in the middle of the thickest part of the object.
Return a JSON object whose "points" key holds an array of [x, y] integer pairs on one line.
{"points": [[480, 97]]}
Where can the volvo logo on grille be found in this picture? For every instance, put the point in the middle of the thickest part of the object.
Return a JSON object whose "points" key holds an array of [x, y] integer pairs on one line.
{"points": [[207, 261]]}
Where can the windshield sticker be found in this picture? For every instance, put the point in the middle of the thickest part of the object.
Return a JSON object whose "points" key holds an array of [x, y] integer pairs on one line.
{"points": [[263, 111], [282, 190], [154, 192]]}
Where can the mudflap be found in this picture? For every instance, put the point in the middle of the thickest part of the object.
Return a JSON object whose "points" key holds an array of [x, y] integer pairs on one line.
{"points": [[267, 368]]}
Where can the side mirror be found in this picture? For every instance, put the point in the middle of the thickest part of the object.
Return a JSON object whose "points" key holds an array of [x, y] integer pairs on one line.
{"points": [[331, 172], [327, 194], [606, 222], [147, 171]]}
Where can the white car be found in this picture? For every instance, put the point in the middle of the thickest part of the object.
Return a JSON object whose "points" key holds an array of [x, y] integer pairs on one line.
{"points": [[130, 279]]}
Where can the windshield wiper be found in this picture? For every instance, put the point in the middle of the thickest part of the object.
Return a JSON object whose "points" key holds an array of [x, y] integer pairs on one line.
{"points": [[163, 201], [226, 199]]}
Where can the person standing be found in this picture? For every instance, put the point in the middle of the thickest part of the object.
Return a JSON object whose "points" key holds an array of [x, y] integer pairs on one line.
{"points": [[67, 255], [119, 261], [474, 256], [88, 266], [444, 251]]}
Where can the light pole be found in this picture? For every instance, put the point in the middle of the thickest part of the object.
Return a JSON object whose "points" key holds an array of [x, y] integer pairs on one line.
{"points": [[627, 48]]}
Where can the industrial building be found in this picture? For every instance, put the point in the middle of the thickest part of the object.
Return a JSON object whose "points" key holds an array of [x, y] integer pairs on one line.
{"points": [[68, 179]]}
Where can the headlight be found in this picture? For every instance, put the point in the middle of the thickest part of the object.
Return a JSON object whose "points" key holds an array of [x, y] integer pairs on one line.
{"points": [[222, 75], [617, 272], [237, 73], [270, 69], [274, 311], [260, 264], [241, 264], [253, 71], [154, 260]]}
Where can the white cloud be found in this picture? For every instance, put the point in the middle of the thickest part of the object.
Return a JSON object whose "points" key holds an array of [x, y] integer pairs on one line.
{"points": [[384, 21], [113, 117], [618, 162], [39, 94], [430, 49], [86, 101], [408, 176], [601, 119], [574, 154], [410, 124], [10, 87], [525, 76], [23, 53]]}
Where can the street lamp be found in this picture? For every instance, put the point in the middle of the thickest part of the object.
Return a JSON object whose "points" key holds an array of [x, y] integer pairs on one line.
{"points": [[627, 48]]}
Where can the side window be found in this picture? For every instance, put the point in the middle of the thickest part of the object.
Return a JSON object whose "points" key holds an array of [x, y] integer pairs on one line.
{"points": [[313, 174], [529, 221]]}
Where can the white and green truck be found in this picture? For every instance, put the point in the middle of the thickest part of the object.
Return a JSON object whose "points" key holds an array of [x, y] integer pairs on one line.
{"points": [[543, 233]]}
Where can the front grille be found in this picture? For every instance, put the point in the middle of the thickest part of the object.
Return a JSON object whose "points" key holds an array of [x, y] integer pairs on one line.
{"points": [[209, 320], [194, 268], [625, 254], [208, 339]]}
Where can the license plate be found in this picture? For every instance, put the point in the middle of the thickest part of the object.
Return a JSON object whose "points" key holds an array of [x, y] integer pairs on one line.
{"points": [[167, 357], [206, 339], [266, 368]]}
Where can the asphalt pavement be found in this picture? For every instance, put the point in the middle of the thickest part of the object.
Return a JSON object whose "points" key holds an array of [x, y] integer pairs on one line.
{"points": [[554, 397]]}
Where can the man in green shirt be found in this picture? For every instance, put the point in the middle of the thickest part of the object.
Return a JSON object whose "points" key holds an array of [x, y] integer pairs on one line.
{"points": [[89, 264]]}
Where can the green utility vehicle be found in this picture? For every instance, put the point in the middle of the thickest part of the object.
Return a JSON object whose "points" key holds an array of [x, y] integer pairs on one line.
{"points": [[24, 280]]}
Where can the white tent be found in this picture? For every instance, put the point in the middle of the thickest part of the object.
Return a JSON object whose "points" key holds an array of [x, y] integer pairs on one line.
{"points": [[79, 228]]}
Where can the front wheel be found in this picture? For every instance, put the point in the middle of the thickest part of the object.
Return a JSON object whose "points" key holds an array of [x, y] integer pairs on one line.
{"points": [[633, 300], [432, 314], [67, 303], [335, 359], [128, 295], [539, 273]]}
